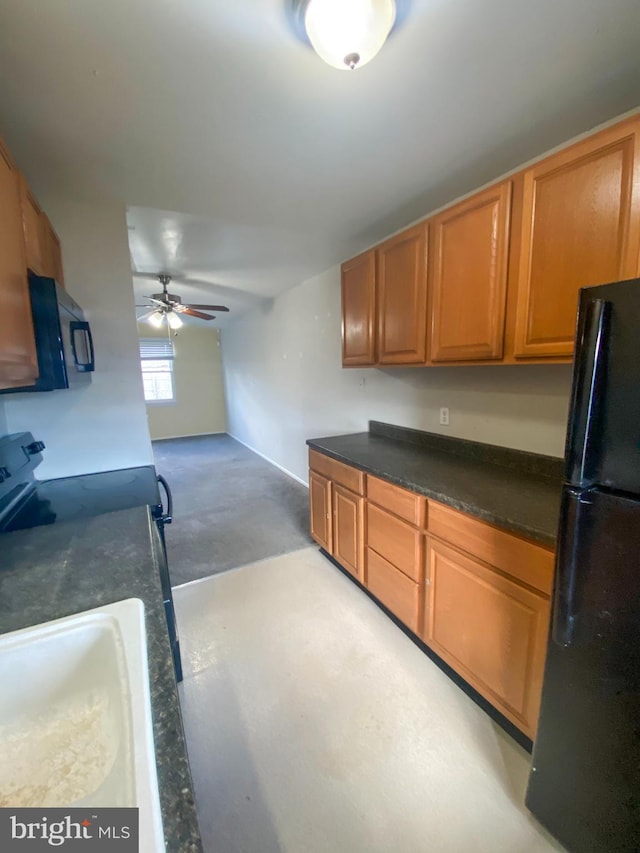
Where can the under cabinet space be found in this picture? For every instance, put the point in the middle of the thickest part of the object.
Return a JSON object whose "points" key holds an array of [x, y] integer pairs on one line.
{"points": [[393, 589]]}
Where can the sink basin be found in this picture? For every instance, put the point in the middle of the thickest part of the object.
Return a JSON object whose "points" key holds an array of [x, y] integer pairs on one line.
{"points": [[75, 716]]}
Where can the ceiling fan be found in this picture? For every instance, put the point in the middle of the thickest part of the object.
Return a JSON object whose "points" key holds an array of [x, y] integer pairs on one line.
{"points": [[170, 305]]}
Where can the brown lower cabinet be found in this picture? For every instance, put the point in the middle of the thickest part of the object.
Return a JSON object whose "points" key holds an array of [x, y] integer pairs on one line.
{"points": [[336, 506], [491, 629], [478, 596], [348, 541], [320, 509]]}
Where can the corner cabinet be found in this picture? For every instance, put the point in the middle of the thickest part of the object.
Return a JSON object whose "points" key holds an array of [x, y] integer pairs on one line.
{"points": [[581, 227], [18, 361], [359, 310], [469, 252], [402, 298]]}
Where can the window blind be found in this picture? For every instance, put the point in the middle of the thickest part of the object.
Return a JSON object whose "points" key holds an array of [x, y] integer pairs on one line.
{"points": [[156, 348]]}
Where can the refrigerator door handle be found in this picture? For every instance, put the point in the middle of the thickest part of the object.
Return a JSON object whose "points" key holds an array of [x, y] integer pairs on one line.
{"points": [[574, 504], [587, 393]]}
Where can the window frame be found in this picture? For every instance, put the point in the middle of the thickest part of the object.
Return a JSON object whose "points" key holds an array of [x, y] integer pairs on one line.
{"points": [[158, 350]]}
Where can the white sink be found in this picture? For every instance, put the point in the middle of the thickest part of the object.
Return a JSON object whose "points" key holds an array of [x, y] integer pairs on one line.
{"points": [[75, 716]]}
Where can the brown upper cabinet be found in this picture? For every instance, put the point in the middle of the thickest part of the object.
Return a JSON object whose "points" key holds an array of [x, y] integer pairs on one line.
{"points": [[359, 310], [34, 230], [580, 227], [469, 254], [52, 252], [402, 298], [505, 265], [18, 361]]}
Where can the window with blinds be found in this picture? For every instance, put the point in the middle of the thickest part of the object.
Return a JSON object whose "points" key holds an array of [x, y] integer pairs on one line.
{"points": [[156, 361]]}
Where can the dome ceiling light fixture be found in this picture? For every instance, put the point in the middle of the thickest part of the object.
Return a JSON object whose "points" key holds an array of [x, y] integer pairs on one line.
{"points": [[348, 33]]}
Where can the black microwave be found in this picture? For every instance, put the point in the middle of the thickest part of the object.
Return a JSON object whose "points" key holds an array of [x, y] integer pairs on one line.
{"points": [[63, 338]]}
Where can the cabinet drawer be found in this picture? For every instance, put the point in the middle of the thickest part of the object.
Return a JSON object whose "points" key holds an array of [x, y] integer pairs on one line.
{"points": [[393, 589], [399, 501], [517, 557], [349, 477], [395, 540]]}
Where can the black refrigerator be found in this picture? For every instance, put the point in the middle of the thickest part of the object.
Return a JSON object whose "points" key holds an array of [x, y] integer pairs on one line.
{"points": [[585, 778]]}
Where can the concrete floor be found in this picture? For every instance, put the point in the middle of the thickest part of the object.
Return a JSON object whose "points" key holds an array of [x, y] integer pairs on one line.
{"points": [[314, 725]]}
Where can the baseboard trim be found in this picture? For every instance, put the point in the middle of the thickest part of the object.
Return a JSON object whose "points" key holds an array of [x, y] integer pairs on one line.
{"points": [[189, 435], [270, 461]]}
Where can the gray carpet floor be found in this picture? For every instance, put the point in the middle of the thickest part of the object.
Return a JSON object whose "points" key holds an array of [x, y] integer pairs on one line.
{"points": [[231, 507]]}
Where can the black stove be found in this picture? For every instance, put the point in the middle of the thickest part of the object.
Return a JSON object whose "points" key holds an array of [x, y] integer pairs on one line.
{"points": [[26, 502]]}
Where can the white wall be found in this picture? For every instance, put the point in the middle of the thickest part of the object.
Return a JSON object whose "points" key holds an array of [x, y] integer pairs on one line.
{"points": [[284, 384], [104, 425], [199, 407]]}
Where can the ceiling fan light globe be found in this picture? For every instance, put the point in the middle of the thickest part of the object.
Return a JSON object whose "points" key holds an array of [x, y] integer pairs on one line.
{"points": [[349, 33], [156, 319], [174, 320]]}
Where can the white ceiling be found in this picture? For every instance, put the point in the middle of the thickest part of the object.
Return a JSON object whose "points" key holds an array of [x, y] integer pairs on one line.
{"points": [[248, 165]]}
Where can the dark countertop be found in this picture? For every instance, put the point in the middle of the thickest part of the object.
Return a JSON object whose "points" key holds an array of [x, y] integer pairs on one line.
{"points": [[509, 488], [53, 571]]}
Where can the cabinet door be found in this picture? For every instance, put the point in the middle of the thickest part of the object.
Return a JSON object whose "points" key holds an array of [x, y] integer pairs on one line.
{"points": [[51, 251], [402, 298], [581, 226], [491, 630], [469, 253], [348, 535], [320, 509], [18, 361], [359, 310], [34, 236]]}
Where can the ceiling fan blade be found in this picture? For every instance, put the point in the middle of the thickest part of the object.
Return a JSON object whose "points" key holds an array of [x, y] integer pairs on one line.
{"points": [[157, 301], [208, 307], [199, 314]]}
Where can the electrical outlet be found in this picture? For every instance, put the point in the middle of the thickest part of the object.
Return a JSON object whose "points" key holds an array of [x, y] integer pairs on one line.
{"points": [[444, 416]]}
